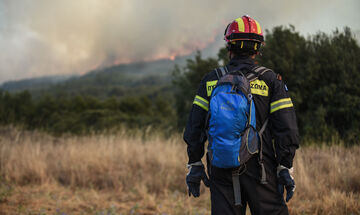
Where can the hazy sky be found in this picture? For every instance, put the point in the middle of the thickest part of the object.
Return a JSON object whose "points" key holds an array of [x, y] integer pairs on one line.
{"points": [[49, 37]]}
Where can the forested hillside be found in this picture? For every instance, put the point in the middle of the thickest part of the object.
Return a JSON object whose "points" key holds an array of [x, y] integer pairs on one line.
{"points": [[118, 80]]}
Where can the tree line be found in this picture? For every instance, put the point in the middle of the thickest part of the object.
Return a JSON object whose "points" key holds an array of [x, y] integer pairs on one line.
{"points": [[322, 73], [84, 114]]}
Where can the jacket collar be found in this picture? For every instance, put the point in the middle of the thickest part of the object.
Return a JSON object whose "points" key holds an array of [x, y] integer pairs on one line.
{"points": [[239, 62]]}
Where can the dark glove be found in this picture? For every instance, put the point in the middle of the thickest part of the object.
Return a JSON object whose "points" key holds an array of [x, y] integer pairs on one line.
{"points": [[285, 180], [195, 175]]}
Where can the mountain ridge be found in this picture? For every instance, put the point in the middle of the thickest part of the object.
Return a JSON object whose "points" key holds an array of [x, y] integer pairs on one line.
{"points": [[108, 81]]}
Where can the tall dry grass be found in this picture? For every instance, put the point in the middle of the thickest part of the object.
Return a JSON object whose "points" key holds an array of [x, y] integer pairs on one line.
{"points": [[135, 174], [327, 180], [114, 161]]}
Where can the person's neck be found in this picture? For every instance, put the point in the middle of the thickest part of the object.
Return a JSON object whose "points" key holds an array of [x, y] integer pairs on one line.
{"points": [[232, 55]]}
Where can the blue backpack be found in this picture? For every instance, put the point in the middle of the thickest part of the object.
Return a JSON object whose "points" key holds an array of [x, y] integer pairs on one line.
{"points": [[233, 138], [231, 124]]}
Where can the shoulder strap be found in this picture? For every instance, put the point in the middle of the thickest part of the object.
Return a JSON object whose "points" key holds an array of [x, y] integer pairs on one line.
{"points": [[221, 71], [256, 72], [263, 173]]}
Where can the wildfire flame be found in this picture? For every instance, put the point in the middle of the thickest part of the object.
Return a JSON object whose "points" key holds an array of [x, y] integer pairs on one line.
{"points": [[184, 50]]}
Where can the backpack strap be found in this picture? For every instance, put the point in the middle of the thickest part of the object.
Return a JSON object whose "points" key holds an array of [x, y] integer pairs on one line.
{"points": [[236, 184], [226, 69], [221, 71], [256, 72], [236, 187], [263, 172]]}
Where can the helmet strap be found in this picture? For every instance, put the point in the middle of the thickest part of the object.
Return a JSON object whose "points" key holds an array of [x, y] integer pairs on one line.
{"points": [[231, 55]]}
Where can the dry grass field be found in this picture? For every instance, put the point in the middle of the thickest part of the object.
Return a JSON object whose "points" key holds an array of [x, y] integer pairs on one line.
{"points": [[133, 173]]}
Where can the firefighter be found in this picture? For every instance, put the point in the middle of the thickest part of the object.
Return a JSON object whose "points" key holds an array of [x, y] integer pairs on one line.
{"points": [[243, 38]]}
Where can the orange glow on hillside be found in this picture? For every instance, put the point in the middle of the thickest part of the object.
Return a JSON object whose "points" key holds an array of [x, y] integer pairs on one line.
{"points": [[184, 50]]}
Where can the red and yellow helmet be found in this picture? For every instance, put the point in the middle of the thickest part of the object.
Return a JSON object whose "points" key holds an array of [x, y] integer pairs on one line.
{"points": [[243, 29]]}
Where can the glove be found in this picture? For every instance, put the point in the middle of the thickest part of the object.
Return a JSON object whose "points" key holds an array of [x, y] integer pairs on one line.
{"points": [[285, 180], [195, 175]]}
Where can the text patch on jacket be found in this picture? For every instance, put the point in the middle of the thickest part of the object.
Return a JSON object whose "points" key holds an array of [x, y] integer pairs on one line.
{"points": [[259, 87]]}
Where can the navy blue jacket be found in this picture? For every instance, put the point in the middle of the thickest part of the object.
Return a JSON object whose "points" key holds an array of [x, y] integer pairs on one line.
{"points": [[272, 101]]}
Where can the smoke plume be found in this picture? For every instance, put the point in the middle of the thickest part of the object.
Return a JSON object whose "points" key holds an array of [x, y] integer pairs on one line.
{"points": [[42, 37]]}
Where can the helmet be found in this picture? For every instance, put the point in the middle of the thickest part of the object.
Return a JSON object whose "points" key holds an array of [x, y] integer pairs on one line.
{"points": [[244, 28], [246, 31]]}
